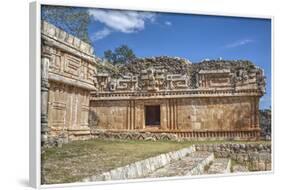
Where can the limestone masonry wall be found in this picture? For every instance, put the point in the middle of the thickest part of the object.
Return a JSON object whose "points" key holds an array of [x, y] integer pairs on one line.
{"points": [[256, 156], [193, 118]]}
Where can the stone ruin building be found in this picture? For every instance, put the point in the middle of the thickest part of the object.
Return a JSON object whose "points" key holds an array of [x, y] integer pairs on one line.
{"points": [[158, 97], [265, 124]]}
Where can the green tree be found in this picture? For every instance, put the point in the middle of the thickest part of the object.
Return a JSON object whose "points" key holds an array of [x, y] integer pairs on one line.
{"points": [[121, 55], [109, 56], [74, 20]]}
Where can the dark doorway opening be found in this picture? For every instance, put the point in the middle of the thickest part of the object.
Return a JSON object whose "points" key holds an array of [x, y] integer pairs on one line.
{"points": [[152, 115]]}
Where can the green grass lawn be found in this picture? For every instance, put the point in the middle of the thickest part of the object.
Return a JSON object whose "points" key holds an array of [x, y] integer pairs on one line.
{"points": [[80, 159]]}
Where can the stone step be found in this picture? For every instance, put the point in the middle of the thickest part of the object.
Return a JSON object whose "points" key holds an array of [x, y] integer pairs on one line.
{"points": [[219, 166], [193, 164]]}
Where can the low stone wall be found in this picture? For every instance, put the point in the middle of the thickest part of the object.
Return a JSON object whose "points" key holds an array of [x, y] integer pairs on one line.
{"points": [[256, 156], [142, 168]]}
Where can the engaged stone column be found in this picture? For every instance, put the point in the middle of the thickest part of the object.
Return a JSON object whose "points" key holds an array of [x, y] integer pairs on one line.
{"points": [[45, 60]]}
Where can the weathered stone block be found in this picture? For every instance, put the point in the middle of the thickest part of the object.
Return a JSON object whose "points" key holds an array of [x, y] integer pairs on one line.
{"points": [[261, 166], [268, 166]]}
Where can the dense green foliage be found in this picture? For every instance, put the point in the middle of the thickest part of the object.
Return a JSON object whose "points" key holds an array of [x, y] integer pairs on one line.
{"points": [[73, 20], [121, 55]]}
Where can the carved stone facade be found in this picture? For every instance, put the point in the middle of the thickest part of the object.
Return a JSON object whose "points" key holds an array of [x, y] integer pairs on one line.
{"points": [[68, 67], [207, 100]]}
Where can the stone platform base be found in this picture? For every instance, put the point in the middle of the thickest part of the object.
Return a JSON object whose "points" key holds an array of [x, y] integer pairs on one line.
{"points": [[86, 134], [176, 135], [131, 135]]}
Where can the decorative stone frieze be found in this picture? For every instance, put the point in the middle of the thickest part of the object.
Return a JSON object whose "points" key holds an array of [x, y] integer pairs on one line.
{"points": [[233, 76]]}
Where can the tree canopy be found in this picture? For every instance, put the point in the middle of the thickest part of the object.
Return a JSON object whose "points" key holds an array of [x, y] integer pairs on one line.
{"points": [[121, 55], [73, 20]]}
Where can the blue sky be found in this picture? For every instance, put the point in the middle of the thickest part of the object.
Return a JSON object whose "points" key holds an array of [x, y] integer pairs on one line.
{"points": [[194, 37]]}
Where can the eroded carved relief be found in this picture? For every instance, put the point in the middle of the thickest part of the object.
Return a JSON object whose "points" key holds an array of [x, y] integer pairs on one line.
{"points": [[156, 78], [67, 79]]}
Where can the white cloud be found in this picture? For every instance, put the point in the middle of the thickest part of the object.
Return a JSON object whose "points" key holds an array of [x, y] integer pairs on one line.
{"points": [[239, 43], [101, 34], [168, 23], [123, 21]]}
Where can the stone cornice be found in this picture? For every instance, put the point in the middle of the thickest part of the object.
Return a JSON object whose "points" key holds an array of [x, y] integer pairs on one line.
{"points": [[58, 34], [55, 37], [192, 93], [183, 131], [72, 82]]}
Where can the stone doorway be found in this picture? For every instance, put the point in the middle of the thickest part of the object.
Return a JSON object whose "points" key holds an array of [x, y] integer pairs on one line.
{"points": [[152, 115]]}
